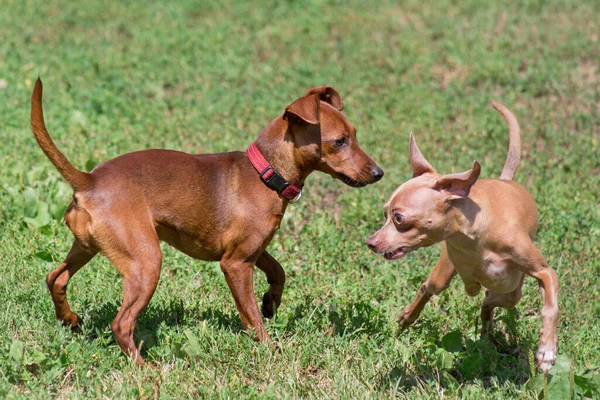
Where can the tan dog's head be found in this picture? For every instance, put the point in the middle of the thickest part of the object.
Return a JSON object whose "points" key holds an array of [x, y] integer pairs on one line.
{"points": [[324, 139], [418, 212]]}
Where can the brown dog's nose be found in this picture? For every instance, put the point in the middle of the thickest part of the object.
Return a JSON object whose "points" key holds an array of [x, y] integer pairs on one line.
{"points": [[377, 173], [372, 242]]}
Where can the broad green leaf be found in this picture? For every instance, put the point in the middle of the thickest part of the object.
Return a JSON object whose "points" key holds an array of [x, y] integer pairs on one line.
{"points": [[452, 341], [43, 255], [562, 365], [57, 211], [589, 383], [30, 203], [41, 219], [445, 359], [35, 355], [16, 350], [192, 347], [45, 230], [536, 383], [559, 387]]}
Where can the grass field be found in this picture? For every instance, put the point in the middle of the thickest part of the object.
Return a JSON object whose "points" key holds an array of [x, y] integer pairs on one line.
{"points": [[206, 77]]}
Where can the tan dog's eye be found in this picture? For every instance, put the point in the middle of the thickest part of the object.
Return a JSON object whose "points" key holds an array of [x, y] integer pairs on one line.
{"points": [[398, 219], [340, 142]]}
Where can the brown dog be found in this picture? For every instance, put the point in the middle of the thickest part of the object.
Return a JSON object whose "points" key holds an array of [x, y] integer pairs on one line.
{"points": [[487, 227], [216, 207]]}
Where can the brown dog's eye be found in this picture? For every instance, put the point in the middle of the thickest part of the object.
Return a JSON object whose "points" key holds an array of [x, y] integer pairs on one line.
{"points": [[398, 219], [340, 142]]}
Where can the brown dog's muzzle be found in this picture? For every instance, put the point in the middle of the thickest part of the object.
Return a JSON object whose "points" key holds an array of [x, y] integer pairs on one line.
{"points": [[373, 175]]}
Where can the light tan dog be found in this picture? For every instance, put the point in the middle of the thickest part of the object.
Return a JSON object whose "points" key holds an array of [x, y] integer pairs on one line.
{"points": [[216, 207], [487, 227]]}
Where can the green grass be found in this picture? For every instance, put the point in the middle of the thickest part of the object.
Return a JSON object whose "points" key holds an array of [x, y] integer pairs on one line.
{"points": [[133, 75]]}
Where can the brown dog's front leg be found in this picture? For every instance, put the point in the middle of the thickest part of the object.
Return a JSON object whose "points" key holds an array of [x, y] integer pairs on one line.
{"points": [[276, 279], [238, 274], [438, 281]]}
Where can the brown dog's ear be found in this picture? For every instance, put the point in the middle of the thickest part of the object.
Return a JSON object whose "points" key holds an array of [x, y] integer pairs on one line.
{"points": [[418, 160], [304, 109], [328, 95], [459, 185]]}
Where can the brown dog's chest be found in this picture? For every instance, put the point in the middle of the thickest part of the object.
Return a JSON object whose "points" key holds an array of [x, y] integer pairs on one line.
{"points": [[486, 268]]}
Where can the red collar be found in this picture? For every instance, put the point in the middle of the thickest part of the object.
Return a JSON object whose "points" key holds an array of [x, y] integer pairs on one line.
{"points": [[271, 177]]}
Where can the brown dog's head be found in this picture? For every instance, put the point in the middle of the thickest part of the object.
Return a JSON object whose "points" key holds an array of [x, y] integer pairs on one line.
{"points": [[324, 139], [418, 212]]}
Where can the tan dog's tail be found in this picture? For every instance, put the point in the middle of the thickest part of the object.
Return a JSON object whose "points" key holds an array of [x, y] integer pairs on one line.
{"points": [[514, 145], [79, 180]]}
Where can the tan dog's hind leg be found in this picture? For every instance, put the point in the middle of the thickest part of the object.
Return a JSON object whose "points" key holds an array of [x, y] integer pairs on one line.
{"points": [[238, 275], [438, 281], [58, 279], [276, 279], [493, 300]]}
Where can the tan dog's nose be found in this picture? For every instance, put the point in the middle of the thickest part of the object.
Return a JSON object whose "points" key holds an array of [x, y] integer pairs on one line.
{"points": [[372, 242]]}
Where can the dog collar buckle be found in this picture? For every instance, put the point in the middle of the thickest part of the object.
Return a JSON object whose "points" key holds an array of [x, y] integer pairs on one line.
{"points": [[271, 177]]}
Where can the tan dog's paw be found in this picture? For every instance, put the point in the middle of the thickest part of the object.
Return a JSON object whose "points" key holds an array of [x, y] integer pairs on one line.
{"points": [[546, 356], [270, 303]]}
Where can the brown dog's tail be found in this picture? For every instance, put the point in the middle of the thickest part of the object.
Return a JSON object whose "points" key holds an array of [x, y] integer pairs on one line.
{"points": [[79, 180], [514, 145]]}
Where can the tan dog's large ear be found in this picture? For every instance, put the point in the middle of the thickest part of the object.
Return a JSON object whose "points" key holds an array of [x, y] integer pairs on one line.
{"points": [[328, 95], [417, 159], [304, 109], [459, 185]]}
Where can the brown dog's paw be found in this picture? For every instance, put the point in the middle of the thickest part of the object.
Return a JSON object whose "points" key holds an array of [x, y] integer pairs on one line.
{"points": [[270, 302], [405, 320], [72, 321]]}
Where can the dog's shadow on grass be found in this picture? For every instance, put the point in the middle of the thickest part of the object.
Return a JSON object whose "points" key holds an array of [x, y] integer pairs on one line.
{"points": [[172, 314], [503, 356], [354, 319], [359, 318]]}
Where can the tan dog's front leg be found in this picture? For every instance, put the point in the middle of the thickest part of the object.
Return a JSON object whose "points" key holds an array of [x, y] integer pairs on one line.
{"points": [[438, 281], [546, 353], [276, 279], [238, 274], [534, 264]]}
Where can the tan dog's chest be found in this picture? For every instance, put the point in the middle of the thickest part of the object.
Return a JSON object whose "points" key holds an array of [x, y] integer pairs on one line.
{"points": [[485, 268]]}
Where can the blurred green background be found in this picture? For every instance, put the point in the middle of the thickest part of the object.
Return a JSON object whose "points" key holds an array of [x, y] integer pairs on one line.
{"points": [[207, 77]]}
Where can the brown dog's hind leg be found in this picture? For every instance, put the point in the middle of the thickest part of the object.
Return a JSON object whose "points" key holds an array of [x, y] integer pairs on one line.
{"points": [[137, 256], [438, 281], [276, 279], [58, 279], [493, 300], [238, 274]]}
